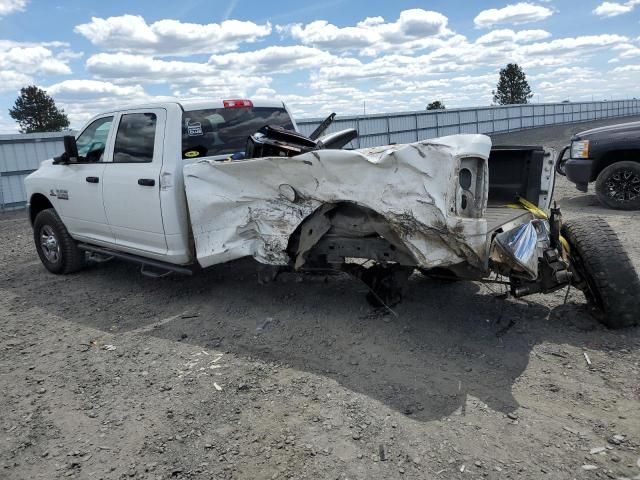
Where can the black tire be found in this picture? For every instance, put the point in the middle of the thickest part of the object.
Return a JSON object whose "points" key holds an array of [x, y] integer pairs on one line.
{"points": [[609, 280], [58, 252], [618, 186]]}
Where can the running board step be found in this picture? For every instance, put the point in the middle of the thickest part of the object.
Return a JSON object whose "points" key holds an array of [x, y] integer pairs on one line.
{"points": [[128, 257]]}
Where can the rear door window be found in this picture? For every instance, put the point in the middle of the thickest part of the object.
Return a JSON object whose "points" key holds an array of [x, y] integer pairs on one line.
{"points": [[135, 138], [222, 131]]}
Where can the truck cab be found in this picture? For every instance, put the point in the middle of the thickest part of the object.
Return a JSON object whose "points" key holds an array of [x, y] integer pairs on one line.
{"points": [[125, 189]]}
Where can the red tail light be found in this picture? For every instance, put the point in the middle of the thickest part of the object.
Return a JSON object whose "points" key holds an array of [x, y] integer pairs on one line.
{"points": [[237, 103]]}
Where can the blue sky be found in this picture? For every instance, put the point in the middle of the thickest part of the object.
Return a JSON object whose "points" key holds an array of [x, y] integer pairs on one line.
{"points": [[323, 56]]}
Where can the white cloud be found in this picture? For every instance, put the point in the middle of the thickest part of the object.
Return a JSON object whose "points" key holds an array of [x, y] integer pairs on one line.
{"points": [[185, 79], [613, 9], [11, 6], [505, 35], [8, 126], [13, 81], [31, 60], [131, 33], [627, 68], [573, 46], [79, 90], [134, 68], [82, 99], [516, 14], [277, 59], [372, 34]]}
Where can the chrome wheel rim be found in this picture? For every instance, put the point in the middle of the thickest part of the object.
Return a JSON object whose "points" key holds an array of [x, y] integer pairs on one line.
{"points": [[623, 186], [49, 244]]}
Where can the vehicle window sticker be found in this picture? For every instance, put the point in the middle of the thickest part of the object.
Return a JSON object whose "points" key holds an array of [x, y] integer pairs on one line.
{"points": [[194, 129]]}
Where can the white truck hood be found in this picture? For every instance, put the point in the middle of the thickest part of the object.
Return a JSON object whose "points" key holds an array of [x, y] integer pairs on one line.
{"points": [[252, 207]]}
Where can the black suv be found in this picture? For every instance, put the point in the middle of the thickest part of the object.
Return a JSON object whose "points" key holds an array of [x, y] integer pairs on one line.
{"points": [[609, 156]]}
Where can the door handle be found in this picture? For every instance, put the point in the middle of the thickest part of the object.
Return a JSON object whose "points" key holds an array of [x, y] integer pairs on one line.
{"points": [[146, 182], [92, 179]]}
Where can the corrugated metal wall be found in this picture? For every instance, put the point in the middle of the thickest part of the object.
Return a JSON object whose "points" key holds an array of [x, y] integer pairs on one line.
{"points": [[21, 154], [408, 127]]}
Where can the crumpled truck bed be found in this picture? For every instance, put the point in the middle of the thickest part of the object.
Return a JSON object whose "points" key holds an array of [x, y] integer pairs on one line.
{"points": [[252, 207]]}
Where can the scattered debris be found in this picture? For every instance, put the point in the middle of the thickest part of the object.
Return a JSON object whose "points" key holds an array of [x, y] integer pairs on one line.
{"points": [[381, 453], [589, 467], [597, 450], [109, 348], [462, 468], [616, 439], [216, 386], [586, 357]]}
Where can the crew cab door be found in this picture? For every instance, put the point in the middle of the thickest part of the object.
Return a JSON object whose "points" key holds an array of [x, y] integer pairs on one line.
{"points": [[78, 185], [132, 181]]}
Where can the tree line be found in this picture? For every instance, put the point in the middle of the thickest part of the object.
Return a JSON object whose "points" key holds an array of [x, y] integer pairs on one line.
{"points": [[512, 89], [36, 111]]}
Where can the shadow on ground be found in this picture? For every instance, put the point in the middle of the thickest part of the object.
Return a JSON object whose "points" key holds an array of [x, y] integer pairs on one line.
{"points": [[447, 341]]}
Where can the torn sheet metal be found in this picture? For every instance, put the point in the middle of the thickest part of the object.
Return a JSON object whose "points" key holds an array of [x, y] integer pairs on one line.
{"points": [[252, 207]]}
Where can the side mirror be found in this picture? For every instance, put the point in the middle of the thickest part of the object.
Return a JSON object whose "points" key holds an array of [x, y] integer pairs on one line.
{"points": [[71, 148], [70, 151]]}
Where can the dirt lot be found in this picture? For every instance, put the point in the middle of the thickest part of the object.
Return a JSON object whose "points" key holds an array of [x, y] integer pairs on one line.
{"points": [[109, 374]]}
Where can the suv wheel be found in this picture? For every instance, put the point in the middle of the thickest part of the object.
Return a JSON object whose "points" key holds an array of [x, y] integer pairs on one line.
{"points": [[618, 186], [56, 249], [604, 271]]}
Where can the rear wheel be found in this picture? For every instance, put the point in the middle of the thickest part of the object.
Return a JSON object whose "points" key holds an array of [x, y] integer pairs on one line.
{"points": [[618, 186], [58, 252], [603, 271]]}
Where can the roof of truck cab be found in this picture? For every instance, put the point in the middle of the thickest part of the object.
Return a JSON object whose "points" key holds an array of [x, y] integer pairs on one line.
{"points": [[191, 105]]}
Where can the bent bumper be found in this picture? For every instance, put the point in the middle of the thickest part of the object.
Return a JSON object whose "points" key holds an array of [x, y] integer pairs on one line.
{"points": [[579, 172]]}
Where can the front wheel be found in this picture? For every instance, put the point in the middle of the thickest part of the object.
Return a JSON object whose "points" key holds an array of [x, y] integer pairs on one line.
{"points": [[603, 271], [58, 252], [618, 186]]}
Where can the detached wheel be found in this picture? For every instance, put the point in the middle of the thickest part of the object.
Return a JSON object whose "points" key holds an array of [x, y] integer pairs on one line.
{"points": [[618, 186], [604, 271], [56, 249]]}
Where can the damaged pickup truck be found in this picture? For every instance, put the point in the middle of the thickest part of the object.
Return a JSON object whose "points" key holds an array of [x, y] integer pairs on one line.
{"points": [[177, 187]]}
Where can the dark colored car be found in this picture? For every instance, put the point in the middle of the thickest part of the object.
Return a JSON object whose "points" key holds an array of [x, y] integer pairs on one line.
{"points": [[609, 156]]}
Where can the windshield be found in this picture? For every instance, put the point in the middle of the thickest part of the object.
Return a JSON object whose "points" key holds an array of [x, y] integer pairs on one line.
{"points": [[220, 131]]}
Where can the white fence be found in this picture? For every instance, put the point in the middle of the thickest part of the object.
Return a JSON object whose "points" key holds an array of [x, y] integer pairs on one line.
{"points": [[21, 154], [376, 130]]}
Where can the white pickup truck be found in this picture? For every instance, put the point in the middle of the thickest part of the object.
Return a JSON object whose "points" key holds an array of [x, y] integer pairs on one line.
{"points": [[180, 186]]}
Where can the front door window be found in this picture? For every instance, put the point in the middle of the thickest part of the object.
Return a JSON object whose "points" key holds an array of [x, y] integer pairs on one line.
{"points": [[92, 142]]}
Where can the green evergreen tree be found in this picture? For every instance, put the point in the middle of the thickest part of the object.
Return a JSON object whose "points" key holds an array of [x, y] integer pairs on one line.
{"points": [[437, 105], [35, 111], [512, 87]]}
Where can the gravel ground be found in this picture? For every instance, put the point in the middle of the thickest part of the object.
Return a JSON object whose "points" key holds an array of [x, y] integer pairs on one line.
{"points": [[110, 374]]}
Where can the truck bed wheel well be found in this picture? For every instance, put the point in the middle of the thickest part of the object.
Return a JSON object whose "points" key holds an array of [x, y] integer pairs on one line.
{"points": [[349, 230], [614, 156], [38, 203]]}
